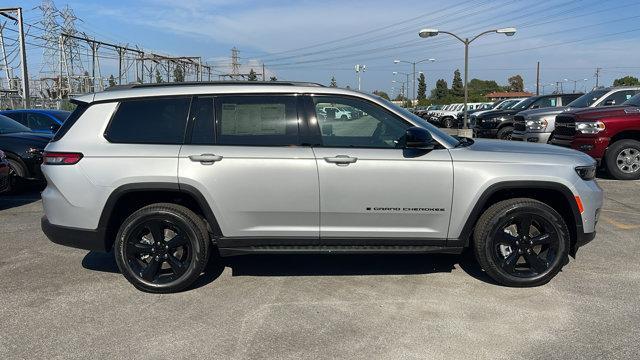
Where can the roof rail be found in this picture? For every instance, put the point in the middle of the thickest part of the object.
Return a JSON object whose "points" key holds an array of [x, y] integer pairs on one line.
{"points": [[209, 83]]}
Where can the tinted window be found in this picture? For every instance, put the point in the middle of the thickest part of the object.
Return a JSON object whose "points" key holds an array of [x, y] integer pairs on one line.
{"points": [[366, 125], [60, 115], [587, 99], [545, 102], [150, 121], [566, 99], [8, 126], [39, 122], [618, 97], [17, 117], [203, 125], [75, 115], [257, 120]]}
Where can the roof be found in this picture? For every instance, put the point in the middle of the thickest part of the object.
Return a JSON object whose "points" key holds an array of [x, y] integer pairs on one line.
{"points": [[212, 88], [509, 94]]}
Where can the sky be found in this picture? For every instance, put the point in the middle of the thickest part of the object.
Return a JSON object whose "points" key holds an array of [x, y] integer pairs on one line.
{"points": [[315, 40]]}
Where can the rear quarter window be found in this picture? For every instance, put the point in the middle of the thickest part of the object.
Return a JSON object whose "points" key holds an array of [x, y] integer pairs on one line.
{"points": [[75, 115], [149, 121]]}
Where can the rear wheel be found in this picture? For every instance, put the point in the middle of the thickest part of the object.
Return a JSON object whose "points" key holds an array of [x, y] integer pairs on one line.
{"points": [[521, 242], [162, 248], [505, 133], [622, 159], [17, 174], [448, 123]]}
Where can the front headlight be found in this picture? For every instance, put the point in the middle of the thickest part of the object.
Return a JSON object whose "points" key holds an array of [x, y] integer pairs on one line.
{"points": [[591, 127], [586, 172], [538, 124]]}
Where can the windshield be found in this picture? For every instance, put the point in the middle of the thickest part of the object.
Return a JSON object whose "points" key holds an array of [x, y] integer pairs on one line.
{"points": [[524, 104], [588, 99], [8, 126], [507, 104], [633, 101], [450, 140]]}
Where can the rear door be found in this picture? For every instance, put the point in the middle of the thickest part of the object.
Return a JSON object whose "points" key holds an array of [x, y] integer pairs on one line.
{"points": [[371, 189], [245, 156]]}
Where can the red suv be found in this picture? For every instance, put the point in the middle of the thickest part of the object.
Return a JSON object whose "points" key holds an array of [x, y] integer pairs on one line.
{"points": [[611, 135]]}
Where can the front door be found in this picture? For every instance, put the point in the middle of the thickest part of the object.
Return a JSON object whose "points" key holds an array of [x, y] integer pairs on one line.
{"points": [[370, 187], [260, 183]]}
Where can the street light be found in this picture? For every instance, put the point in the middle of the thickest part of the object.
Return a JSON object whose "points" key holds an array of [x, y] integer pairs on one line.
{"points": [[575, 83], [425, 33], [413, 63]]}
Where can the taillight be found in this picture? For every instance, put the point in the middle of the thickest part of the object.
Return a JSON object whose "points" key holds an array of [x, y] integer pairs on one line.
{"points": [[61, 158]]}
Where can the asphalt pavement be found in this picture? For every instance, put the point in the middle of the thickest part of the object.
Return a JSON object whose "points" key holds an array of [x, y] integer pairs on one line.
{"points": [[58, 302]]}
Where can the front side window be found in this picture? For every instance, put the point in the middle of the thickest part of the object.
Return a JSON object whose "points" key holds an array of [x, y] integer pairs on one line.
{"points": [[365, 125], [150, 121], [545, 102], [618, 97], [263, 120], [39, 122]]}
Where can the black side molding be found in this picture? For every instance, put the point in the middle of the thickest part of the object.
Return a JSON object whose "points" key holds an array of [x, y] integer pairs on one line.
{"points": [[93, 240]]}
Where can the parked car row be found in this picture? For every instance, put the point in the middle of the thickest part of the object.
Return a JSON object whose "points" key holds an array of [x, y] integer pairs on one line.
{"points": [[21, 146], [604, 123], [449, 116]]}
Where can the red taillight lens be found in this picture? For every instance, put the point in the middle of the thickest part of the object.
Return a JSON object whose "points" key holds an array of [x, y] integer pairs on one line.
{"points": [[61, 158]]}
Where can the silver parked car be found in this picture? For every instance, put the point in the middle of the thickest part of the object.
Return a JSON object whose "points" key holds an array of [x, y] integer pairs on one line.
{"points": [[164, 174], [536, 125]]}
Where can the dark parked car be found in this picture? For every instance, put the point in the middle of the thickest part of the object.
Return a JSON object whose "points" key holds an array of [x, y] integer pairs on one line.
{"points": [[39, 120], [23, 149], [4, 173], [499, 123]]}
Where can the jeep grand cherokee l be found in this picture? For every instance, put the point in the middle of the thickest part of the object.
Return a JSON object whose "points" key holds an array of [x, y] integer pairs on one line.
{"points": [[164, 175]]}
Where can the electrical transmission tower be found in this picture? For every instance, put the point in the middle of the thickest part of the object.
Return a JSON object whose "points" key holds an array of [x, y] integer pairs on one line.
{"points": [[70, 49], [49, 80]]}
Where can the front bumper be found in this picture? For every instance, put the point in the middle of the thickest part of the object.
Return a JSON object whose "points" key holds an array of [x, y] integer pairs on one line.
{"points": [[531, 137], [488, 133], [94, 240]]}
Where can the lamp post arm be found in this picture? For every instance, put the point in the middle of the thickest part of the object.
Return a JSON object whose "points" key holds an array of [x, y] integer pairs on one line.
{"points": [[483, 33], [456, 36]]}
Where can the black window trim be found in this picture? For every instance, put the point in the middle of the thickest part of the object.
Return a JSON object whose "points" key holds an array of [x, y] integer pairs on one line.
{"points": [[120, 101]]}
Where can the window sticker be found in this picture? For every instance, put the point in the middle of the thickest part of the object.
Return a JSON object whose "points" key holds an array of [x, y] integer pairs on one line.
{"points": [[253, 119]]}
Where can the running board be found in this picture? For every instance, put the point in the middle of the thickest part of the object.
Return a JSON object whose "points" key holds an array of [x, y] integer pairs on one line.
{"points": [[338, 249]]}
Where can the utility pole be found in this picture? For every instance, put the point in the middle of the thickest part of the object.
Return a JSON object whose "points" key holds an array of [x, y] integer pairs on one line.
{"points": [[7, 69], [538, 79], [598, 76], [360, 69], [263, 78], [23, 61]]}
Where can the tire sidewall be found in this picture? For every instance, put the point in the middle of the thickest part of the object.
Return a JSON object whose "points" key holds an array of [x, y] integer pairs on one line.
{"points": [[138, 218], [503, 131], [611, 159]]}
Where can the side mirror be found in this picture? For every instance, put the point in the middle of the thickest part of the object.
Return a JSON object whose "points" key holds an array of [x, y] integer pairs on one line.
{"points": [[610, 102], [418, 138]]}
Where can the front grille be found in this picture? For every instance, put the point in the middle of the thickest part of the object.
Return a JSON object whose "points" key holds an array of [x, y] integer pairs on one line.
{"points": [[565, 126], [519, 123]]}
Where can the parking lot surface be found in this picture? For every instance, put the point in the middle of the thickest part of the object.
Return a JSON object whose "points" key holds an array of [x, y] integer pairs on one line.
{"points": [[58, 302]]}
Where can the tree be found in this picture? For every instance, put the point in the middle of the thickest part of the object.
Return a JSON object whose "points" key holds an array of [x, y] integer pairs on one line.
{"points": [[178, 74], [626, 81], [333, 82], [382, 94], [441, 91], [457, 89], [516, 83], [252, 76], [112, 81], [422, 88], [159, 78], [273, 78]]}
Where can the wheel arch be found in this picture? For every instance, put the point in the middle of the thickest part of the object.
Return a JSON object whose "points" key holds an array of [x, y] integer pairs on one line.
{"points": [[556, 195], [126, 199], [625, 135]]}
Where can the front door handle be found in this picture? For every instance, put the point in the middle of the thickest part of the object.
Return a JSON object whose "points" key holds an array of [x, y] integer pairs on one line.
{"points": [[341, 160], [206, 159]]}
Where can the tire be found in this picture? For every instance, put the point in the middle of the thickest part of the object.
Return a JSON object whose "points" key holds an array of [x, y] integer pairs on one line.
{"points": [[521, 260], [158, 269], [17, 174], [344, 118], [622, 160], [505, 133], [448, 123]]}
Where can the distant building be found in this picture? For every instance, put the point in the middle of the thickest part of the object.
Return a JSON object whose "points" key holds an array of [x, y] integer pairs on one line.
{"points": [[500, 95]]}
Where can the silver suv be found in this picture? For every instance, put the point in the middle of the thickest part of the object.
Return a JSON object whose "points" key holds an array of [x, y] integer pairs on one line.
{"points": [[536, 125], [167, 175]]}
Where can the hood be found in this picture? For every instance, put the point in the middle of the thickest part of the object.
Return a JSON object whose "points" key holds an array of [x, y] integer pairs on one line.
{"points": [[513, 151], [544, 111], [30, 136], [496, 113], [607, 111]]}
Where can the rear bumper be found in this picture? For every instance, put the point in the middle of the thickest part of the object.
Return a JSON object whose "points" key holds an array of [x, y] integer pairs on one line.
{"points": [[93, 240]]}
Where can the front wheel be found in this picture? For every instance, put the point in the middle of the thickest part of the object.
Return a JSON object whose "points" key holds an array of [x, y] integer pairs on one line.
{"points": [[622, 160], [521, 242], [162, 248], [448, 123], [505, 133]]}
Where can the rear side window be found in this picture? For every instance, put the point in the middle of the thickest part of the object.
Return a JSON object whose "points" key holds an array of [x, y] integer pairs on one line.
{"points": [[257, 120], [149, 121], [75, 115], [203, 125]]}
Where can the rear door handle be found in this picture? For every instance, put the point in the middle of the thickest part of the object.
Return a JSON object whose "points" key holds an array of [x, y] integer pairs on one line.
{"points": [[341, 160], [206, 158]]}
